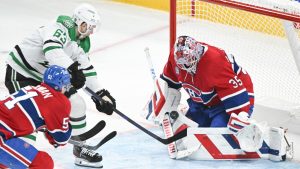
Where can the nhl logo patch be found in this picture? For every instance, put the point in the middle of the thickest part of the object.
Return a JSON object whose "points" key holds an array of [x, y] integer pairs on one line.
{"points": [[26, 145], [68, 23]]}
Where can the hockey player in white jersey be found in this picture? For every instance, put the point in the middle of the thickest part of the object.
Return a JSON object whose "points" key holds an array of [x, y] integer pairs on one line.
{"points": [[66, 43]]}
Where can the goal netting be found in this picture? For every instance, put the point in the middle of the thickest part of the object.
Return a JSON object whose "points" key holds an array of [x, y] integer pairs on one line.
{"points": [[263, 35]]}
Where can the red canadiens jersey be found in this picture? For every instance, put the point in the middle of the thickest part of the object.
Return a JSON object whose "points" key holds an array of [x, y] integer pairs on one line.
{"points": [[218, 78], [33, 108]]}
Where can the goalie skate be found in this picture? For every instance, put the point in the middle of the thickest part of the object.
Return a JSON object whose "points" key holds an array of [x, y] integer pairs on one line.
{"points": [[87, 158], [286, 150]]}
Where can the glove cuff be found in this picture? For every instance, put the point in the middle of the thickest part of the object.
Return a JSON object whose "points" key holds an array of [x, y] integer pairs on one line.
{"points": [[102, 92]]}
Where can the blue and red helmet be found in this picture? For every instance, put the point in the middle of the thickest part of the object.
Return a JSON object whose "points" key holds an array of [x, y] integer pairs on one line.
{"points": [[57, 77]]}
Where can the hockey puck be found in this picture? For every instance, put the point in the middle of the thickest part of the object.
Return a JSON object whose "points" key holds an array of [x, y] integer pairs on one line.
{"points": [[174, 115]]}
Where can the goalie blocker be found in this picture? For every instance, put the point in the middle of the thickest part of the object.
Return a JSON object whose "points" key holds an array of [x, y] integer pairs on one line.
{"points": [[252, 141]]}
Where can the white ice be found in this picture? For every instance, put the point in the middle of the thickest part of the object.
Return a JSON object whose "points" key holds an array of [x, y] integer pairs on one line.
{"points": [[118, 55]]}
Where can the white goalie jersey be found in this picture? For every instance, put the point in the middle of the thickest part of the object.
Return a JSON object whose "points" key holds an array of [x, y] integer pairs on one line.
{"points": [[53, 44]]}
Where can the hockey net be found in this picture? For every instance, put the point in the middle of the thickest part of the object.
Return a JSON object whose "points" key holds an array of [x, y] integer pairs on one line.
{"points": [[253, 31]]}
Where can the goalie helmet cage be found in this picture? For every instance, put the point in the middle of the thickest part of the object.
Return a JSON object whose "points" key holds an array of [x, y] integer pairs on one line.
{"points": [[263, 36]]}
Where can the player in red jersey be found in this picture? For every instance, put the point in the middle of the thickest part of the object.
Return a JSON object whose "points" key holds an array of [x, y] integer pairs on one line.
{"points": [[216, 84], [220, 95], [27, 111]]}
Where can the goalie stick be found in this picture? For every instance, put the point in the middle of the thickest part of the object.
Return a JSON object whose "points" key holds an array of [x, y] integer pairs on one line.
{"points": [[178, 136], [166, 124]]}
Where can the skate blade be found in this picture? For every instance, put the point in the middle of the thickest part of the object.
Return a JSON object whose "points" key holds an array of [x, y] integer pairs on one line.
{"points": [[84, 163]]}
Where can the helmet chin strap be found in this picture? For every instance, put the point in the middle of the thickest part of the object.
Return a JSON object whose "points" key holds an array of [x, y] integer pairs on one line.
{"points": [[82, 34]]}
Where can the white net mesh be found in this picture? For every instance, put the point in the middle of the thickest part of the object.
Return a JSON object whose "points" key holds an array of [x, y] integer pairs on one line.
{"points": [[258, 43]]}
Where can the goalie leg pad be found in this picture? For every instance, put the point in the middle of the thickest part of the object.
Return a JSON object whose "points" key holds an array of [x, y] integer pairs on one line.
{"points": [[189, 144], [168, 132]]}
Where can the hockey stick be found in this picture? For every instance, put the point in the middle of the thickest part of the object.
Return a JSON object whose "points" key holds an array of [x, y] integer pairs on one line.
{"points": [[95, 147], [166, 124], [178, 136], [90, 133], [78, 140], [103, 141]]}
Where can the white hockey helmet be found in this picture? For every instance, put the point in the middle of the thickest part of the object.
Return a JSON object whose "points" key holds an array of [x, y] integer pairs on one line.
{"points": [[86, 13], [187, 53]]}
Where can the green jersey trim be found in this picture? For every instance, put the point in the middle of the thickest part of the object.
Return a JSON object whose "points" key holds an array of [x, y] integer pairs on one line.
{"points": [[90, 74], [85, 44], [31, 137], [18, 62], [68, 23], [51, 48], [79, 126]]}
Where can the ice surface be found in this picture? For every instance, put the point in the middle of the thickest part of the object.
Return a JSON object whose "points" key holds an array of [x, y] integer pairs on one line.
{"points": [[118, 55]]}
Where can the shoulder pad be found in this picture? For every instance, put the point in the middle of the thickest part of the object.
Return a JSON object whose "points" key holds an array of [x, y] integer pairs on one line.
{"points": [[66, 21]]}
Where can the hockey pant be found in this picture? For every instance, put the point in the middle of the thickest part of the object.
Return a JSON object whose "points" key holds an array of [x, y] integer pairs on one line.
{"points": [[18, 154]]}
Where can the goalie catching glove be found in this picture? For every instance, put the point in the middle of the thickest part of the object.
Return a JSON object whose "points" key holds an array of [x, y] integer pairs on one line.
{"points": [[248, 132], [107, 104]]}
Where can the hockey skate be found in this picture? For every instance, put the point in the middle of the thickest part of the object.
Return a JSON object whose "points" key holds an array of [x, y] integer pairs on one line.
{"points": [[87, 158], [278, 141], [289, 148]]}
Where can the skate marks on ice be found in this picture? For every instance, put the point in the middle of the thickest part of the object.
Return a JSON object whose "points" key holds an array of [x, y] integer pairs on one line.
{"points": [[136, 150]]}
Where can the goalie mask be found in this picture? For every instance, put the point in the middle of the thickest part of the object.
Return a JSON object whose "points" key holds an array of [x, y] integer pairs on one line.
{"points": [[86, 13], [187, 53]]}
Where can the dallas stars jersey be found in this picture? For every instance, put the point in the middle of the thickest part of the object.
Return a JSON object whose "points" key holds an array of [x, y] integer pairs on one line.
{"points": [[53, 44], [218, 78], [35, 107]]}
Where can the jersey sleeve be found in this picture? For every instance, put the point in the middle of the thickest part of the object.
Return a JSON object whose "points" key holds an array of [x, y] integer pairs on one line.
{"points": [[55, 38], [92, 80], [57, 121], [169, 73], [230, 88]]}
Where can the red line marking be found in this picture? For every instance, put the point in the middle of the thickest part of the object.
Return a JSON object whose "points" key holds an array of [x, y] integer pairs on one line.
{"points": [[129, 39]]}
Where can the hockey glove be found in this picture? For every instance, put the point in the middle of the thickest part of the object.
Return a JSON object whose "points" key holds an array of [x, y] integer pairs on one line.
{"points": [[77, 76], [51, 139], [70, 92], [107, 104]]}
